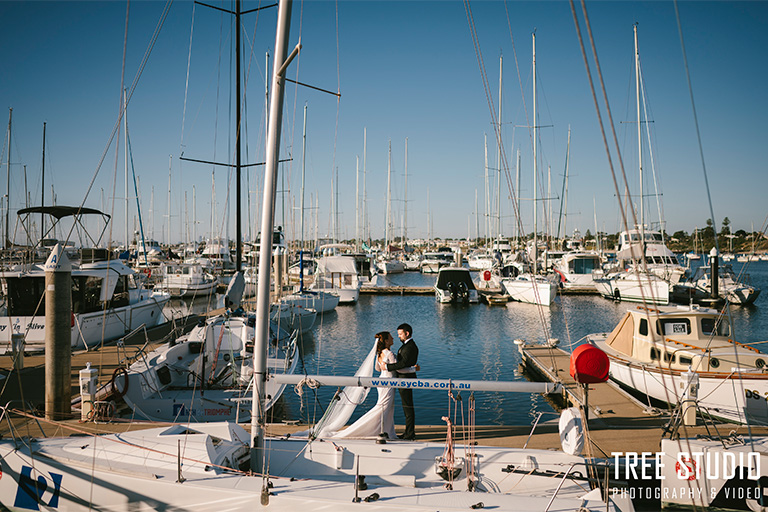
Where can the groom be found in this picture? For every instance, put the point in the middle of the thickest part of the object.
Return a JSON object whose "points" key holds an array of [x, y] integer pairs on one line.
{"points": [[407, 357]]}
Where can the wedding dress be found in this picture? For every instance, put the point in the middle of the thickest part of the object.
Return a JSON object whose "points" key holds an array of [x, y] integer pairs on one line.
{"points": [[381, 417]]}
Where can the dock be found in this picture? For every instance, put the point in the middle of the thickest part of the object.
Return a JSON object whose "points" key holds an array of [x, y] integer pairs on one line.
{"points": [[398, 290]]}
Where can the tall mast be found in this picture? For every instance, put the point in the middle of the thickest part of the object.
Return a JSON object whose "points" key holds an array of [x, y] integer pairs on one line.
{"points": [[170, 166], [535, 168], [389, 199], [238, 138], [8, 182], [498, 156], [125, 155], [301, 222], [517, 187], [405, 213], [365, 196], [487, 193], [357, 203], [267, 223], [42, 188], [639, 138]]}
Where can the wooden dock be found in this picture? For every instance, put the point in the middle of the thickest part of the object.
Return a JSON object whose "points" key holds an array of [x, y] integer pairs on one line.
{"points": [[398, 290]]}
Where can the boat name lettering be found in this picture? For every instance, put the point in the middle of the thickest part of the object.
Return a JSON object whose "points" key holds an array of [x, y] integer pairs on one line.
{"points": [[751, 393], [688, 465], [33, 492]]}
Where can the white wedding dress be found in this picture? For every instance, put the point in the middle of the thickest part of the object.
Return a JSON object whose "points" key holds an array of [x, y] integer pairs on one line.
{"points": [[381, 417]]}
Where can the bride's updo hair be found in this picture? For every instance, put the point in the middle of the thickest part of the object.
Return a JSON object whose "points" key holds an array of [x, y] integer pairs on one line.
{"points": [[381, 341]]}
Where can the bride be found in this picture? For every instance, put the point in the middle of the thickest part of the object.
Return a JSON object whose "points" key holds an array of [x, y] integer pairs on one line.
{"points": [[381, 418]]}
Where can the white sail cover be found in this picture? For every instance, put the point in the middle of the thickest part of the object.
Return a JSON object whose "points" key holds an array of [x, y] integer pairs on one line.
{"points": [[339, 411]]}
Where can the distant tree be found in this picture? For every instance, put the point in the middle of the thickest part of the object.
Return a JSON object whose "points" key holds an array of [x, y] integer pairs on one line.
{"points": [[709, 231], [726, 229], [680, 235], [740, 233], [587, 235]]}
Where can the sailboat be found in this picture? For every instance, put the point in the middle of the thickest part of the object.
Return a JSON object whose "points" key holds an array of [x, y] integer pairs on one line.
{"points": [[386, 263], [206, 466], [530, 287], [648, 267]]}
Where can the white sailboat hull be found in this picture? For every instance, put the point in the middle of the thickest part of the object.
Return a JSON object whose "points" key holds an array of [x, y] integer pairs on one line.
{"points": [[632, 287], [185, 469], [525, 288]]}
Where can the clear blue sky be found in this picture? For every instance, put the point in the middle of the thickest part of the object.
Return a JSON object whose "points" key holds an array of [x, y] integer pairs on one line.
{"points": [[404, 69]]}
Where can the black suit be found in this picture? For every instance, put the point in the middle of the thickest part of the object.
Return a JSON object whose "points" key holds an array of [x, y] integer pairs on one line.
{"points": [[407, 356]]}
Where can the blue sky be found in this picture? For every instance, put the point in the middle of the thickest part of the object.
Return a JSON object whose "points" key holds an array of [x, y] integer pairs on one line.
{"points": [[404, 69]]}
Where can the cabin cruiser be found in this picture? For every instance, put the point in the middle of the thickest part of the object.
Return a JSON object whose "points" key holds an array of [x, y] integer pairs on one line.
{"points": [[338, 275], [575, 270], [632, 285], [108, 301], [644, 246], [454, 284], [432, 262], [188, 280], [530, 288], [656, 350]]}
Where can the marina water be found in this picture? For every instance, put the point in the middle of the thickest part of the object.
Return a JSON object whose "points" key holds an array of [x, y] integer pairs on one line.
{"points": [[468, 342]]}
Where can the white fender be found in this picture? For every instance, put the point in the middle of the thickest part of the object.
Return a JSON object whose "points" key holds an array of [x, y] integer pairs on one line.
{"points": [[571, 431]]}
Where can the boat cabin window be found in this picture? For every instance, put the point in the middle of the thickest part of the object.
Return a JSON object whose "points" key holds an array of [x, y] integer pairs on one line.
{"points": [[583, 265], [654, 354], [643, 328], [86, 294], [711, 327], [24, 294], [685, 359], [120, 296], [669, 358], [673, 326]]}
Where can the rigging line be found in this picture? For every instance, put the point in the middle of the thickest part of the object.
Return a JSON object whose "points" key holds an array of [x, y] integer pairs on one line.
{"points": [[597, 106], [696, 123], [186, 81], [134, 84]]}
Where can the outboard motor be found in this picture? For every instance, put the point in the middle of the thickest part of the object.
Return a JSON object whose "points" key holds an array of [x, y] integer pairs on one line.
{"points": [[452, 290], [463, 292]]}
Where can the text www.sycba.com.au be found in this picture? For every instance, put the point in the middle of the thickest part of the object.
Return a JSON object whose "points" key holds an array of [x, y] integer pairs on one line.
{"points": [[419, 384]]}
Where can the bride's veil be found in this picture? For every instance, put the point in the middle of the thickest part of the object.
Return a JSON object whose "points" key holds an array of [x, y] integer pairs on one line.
{"points": [[343, 405]]}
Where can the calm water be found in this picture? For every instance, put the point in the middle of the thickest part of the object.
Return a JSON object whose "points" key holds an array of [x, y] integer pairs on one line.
{"points": [[470, 342]]}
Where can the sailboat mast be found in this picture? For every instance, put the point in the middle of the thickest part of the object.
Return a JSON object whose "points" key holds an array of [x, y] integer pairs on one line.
{"points": [[365, 190], [498, 157], [405, 213], [487, 194], [8, 182], [639, 137], [125, 159], [301, 222], [42, 188], [357, 203], [535, 165], [238, 131], [267, 223], [389, 199]]}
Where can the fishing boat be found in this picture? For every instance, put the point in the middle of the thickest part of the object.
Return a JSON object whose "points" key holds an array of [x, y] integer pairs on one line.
{"points": [[654, 350], [454, 284]]}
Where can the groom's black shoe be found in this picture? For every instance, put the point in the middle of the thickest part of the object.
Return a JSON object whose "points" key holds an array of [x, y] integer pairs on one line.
{"points": [[409, 438]]}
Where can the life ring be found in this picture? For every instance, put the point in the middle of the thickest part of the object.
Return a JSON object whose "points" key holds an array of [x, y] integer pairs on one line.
{"points": [[571, 431], [120, 393]]}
